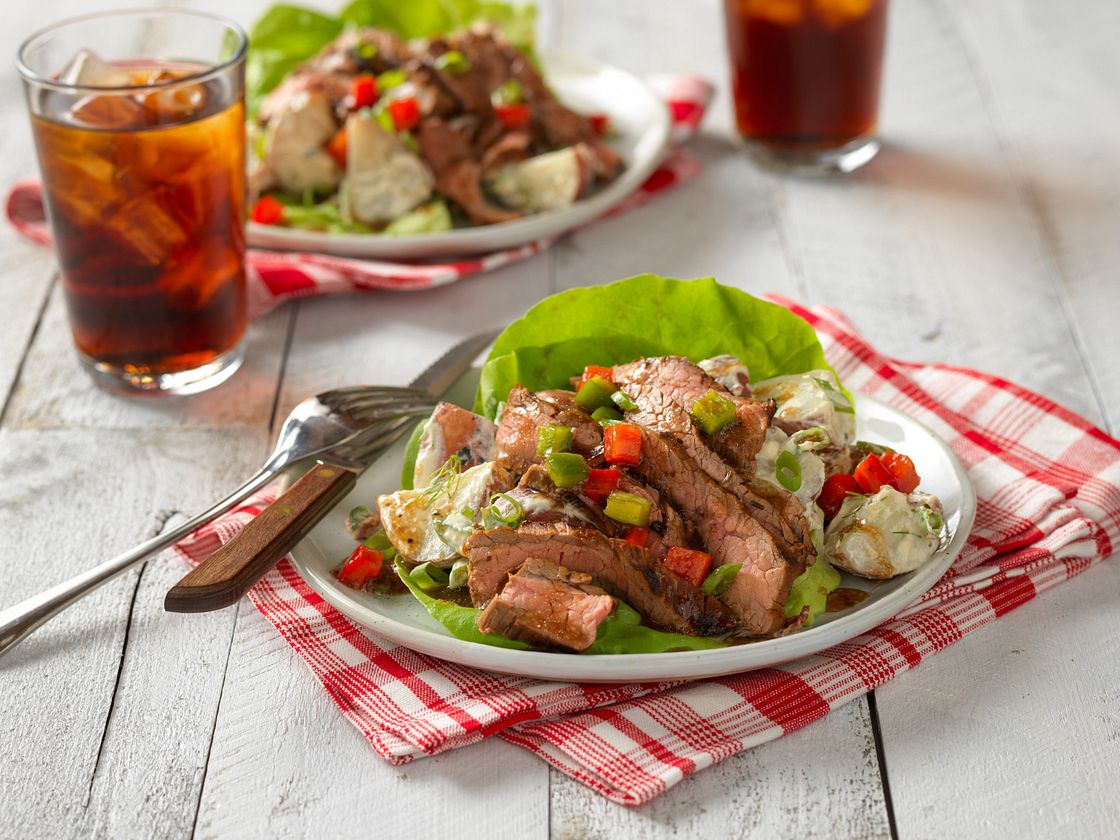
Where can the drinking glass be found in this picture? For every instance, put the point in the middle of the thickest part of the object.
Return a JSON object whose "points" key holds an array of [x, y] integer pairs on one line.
{"points": [[138, 120], [805, 77]]}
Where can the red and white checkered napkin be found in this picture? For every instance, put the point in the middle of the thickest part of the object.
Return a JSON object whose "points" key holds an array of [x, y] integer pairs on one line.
{"points": [[1048, 486], [275, 276]]}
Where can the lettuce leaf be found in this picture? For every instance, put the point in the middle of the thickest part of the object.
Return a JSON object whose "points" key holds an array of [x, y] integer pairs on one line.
{"points": [[644, 316], [288, 35], [812, 587], [620, 632]]}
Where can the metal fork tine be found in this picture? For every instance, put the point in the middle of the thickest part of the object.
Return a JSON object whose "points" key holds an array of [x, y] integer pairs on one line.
{"points": [[370, 414]]}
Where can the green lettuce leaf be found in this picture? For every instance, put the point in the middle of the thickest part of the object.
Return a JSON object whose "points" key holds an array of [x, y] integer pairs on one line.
{"points": [[623, 632], [812, 587], [461, 622], [279, 41], [620, 632], [644, 316], [411, 450]]}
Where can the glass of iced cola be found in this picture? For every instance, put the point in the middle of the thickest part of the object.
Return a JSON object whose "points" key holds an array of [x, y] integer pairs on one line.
{"points": [[139, 125], [805, 79]]}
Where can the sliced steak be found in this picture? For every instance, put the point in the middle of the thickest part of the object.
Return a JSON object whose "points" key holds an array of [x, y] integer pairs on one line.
{"points": [[666, 527], [732, 535], [450, 154], [525, 412], [548, 605], [631, 574], [678, 379], [660, 397], [544, 502]]}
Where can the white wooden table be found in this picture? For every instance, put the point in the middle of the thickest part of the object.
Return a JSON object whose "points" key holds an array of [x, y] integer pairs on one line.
{"points": [[987, 234]]}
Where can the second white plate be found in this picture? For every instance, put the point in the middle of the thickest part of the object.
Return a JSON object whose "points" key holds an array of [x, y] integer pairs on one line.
{"points": [[590, 87]]}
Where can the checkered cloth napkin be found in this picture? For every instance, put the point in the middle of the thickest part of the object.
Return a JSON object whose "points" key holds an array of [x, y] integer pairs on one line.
{"points": [[1048, 488], [275, 276]]}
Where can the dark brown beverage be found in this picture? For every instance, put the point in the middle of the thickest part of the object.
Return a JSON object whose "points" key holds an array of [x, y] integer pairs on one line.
{"points": [[146, 194], [806, 73]]}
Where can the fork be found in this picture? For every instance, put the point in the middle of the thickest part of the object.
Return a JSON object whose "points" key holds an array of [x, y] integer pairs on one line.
{"points": [[346, 423]]}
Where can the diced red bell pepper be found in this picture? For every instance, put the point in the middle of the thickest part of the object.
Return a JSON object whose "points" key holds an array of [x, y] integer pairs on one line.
{"points": [[363, 566], [592, 371], [905, 476], [336, 148], [835, 491], [600, 484], [513, 117], [689, 564], [871, 475], [405, 113], [363, 92], [267, 211], [637, 536], [600, 123], [622, 444]]}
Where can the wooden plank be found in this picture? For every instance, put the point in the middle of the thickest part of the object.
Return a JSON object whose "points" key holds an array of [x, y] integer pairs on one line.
{"points": [[109, 707], [822, 781], [285, 763], [1060, 131], [1013, 731]]}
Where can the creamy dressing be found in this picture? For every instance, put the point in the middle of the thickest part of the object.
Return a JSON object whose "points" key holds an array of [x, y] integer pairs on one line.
{"points": [[885, 534], [729, 372], [812, 467], [811, 399], [432, 528]]}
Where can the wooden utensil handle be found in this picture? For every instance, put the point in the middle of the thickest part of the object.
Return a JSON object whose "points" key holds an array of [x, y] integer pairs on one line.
{"points": [[222, 578]]}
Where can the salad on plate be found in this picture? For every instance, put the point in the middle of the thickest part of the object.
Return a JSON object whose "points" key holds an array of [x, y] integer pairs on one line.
{"points": [[412, 123], [628, 484]]}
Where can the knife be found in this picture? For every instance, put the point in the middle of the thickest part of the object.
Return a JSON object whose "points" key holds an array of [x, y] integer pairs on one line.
{"points": [[226, 575]]}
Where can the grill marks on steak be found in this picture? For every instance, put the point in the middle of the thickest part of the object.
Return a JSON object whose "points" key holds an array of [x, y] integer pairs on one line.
{"points": [[758, 594], [629, 573], [526, 412], [549, 605], [679, 380], [663, 388]]}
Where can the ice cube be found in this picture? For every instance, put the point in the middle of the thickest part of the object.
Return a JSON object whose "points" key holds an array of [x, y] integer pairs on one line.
{"points": [[146, 226], [781, 12], [108, 110], [87, 68], [836, 13], [174, 103]]}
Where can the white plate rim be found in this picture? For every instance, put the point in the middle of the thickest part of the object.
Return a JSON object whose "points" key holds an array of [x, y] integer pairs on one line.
{"points": [[652, 140], [614, 668]]}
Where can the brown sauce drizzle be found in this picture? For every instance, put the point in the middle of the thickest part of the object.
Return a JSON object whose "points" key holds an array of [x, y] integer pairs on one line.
{"points": [[843, 598]]}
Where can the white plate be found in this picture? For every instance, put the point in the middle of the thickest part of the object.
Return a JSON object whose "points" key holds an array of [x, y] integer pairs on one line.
{"points": [[588, 86], [403, 620]]}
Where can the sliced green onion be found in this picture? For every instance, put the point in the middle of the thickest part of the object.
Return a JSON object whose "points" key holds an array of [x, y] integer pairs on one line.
{"points": [[508, 515], [409, 142], [721, 579], [366, 51], [453, 62], [378, 540], [429, 577], [865, 448], [566, 469], [553, 438], [459, 573], [811, 439], [787, 469], [713, 412], [384, 119], [507, 93], [628, 508], [932, 520], [606, 415], [595, 393], [357, 516], [623, 401], [391, 79]]}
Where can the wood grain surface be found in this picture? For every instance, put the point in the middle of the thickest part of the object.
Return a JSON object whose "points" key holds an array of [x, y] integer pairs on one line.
{"points": [[985, 234]]}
